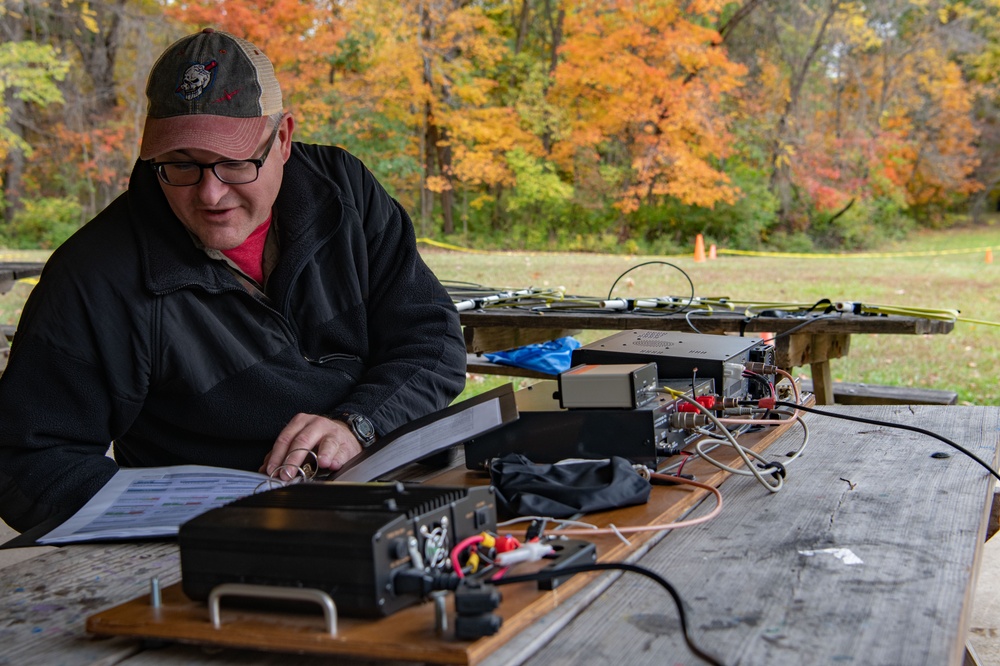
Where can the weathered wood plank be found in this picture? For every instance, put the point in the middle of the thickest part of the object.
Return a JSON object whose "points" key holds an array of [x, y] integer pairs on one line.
{"points": [[753, 596], [724, 322], [11, 272], [808, 348], [847, 393], [481, 365], [756, 596], [45, 601]]}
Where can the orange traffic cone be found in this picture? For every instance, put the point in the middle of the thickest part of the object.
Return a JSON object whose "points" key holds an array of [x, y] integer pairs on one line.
{"points": [[989, 255], [699, 248], [711, 251]]}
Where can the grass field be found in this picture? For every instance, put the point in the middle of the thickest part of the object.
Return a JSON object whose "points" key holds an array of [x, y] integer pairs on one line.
{"points": [[966, 361]]}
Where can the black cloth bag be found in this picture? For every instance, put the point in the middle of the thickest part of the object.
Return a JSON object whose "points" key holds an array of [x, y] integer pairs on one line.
{"points": [[564, 489]]}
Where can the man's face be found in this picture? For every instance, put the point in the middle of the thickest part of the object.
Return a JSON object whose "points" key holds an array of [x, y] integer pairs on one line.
{"points": [[223, 216]]}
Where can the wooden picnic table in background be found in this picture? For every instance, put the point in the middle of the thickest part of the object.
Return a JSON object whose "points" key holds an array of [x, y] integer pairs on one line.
{"points": [[813, 345], [12, 271]]}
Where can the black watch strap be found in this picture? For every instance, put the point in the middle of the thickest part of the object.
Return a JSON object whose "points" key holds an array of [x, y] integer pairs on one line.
{"points": [[362, 428]]}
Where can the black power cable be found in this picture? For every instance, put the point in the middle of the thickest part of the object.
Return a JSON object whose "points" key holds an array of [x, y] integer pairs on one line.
{"points": [[889, 424], [660, 263], [619, 566]]}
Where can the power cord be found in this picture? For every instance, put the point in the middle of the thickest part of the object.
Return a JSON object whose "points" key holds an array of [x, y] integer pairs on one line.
{"points": [[622, 566], [890, 424]]}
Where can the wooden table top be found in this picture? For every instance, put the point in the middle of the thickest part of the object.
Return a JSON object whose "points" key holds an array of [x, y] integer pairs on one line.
{"points": [[12, 271], [717, 322], [20, 269], [869, 554]]}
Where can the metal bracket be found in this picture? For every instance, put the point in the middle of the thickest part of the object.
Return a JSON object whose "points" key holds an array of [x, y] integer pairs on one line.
{"points": [[272, 592]]}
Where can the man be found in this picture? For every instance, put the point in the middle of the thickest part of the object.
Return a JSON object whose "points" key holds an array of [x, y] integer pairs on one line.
{"points": [[246, 298]]}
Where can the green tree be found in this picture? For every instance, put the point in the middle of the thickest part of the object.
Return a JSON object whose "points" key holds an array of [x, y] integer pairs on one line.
{"points": [[29, 76]]}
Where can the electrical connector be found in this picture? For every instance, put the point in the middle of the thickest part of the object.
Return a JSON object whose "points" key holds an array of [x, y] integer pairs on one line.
{"points": [[470, 628], [761, 368], [535, 530], [732, 370], [475, 597], [505, 543], [529, 552], [848, 306], [686, 421], [475, 602], [706, 401], [420, 582]]}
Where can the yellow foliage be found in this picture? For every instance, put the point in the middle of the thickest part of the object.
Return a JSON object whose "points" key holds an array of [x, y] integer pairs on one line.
{"points": [[89, 17], [648, 74], [437, 184]]}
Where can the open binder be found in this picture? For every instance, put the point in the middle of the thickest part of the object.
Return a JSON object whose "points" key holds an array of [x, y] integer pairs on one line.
{"points": [[125, 510], [432, 434]]}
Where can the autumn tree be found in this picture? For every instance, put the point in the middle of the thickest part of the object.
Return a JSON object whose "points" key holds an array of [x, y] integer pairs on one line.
{"points": [[416, 84], [859, 103], [640, 85], [981, 67], [29, 72], [83, 153], [535, 122]]}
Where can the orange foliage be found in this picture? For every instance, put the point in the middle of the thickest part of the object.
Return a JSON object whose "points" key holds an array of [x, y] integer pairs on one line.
{"points": [[296, 36], [648, 78]]}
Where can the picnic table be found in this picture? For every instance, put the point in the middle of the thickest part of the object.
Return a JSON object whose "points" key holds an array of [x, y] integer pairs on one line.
{"points": [[12, 271], [813, 343], [868, 555]]}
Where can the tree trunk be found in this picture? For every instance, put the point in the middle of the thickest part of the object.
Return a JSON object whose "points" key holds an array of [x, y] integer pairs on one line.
{"points": [[781, 175], [436, 148], [555, 22], [12, 30]]}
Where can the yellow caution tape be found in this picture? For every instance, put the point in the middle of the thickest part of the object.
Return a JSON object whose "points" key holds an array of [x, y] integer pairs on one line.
{"points": [[853, 255], [458, 248], [448, 246], [983, 322]]}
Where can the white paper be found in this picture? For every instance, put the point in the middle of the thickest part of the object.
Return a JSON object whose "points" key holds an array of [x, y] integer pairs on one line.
{"points": [[845, 555], [153, 502]]}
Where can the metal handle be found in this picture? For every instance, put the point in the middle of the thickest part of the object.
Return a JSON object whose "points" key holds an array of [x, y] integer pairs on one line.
{"points": [[272, 592]]}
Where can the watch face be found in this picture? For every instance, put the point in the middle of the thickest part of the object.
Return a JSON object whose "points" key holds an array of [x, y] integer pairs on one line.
{"points": [[363, 428]]}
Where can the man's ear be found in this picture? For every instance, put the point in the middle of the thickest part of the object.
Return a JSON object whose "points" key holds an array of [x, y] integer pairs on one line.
{"points": [[285, 130]]}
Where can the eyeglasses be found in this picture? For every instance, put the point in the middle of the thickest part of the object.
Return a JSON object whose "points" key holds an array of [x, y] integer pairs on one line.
{"points": [[231, 172]]}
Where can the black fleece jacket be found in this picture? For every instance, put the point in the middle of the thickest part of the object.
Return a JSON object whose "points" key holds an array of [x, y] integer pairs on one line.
{"points": [[134, 336]]}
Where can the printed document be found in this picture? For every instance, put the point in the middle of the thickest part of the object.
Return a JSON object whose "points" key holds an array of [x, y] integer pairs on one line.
{"points": [[153, 502]]}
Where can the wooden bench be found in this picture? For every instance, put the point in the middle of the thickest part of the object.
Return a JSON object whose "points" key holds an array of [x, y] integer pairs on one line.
{"points": [[481, 365], [845, 393]]}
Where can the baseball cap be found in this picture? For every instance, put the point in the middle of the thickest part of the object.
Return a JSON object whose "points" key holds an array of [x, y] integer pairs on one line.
{"points": [[210, 91]]}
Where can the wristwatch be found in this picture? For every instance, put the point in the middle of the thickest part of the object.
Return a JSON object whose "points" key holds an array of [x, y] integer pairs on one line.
{"points": [[360, 426]]}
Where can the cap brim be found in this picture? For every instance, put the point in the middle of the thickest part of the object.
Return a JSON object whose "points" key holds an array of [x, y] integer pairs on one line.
{"points": [[235, 138]]}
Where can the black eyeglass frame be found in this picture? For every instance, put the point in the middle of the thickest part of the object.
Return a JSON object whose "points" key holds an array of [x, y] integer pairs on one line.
{"points": [[258, 162]]}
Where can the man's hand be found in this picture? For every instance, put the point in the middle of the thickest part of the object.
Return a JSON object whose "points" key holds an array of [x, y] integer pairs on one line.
{"points": [[332, 442]]}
